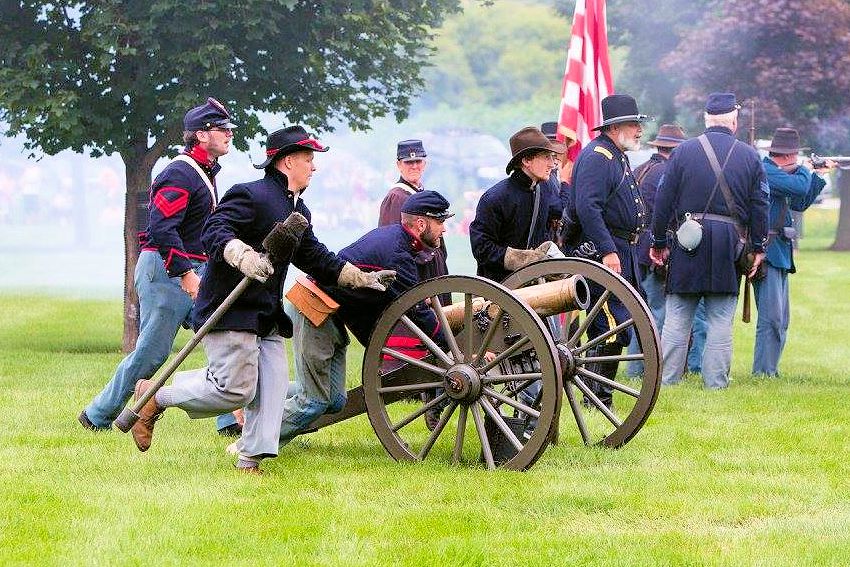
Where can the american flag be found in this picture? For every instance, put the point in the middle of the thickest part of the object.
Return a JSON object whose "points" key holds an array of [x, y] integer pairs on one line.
{"points": [[587, 78]]}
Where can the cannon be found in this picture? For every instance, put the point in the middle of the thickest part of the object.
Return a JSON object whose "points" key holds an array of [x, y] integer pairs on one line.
{"points": [[503, 339]]}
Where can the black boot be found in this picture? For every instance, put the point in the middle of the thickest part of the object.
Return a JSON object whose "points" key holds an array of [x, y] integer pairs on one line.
{"points": [[606, 369]]}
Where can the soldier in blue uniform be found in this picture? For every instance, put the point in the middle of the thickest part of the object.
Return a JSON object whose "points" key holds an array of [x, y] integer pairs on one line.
{"points": [[320, 350], [690, 186], [513, 217], [606, 202], [172, 255], [247, 359], [792, 188], [411, 160]]}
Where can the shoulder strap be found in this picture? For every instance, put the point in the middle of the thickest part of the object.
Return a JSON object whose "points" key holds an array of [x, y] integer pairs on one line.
{"points": [[721, 179], [534, 214], [186, 159], [409, 190], [650, 165]]}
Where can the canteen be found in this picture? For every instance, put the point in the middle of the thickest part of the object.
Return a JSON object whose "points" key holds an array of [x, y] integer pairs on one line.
{"points": [[689, 233]]}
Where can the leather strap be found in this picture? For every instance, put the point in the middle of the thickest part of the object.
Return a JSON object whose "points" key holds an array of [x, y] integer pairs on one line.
{"points": [[186, 159], [721, 181]]}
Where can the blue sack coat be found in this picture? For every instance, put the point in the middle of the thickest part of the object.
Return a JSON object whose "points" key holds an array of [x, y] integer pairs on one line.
{"points": [[248, 211], [607, 202], [686, 186], [503, 219], [389, 247], [792, 192]]}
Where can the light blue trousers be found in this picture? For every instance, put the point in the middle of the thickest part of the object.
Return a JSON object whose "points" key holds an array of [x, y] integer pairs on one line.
{"points": [[774, 316], [244, 371], [163, 306], [679, 318], [319, 373]]}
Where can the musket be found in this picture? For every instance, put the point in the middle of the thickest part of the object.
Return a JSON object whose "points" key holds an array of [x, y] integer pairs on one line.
{"points": [[746, 311], [819, 162]]}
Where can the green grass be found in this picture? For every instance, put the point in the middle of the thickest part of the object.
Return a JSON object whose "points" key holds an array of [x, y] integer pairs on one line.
{"points": [[754, 475]]}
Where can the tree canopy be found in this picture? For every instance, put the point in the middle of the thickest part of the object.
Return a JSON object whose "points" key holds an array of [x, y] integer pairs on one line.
{"points": [[116, 76], [791, 56]]}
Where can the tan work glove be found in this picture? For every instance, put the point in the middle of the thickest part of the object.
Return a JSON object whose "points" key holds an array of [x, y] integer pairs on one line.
{"points": [[247, 260], [516, 258], [353, 277]]}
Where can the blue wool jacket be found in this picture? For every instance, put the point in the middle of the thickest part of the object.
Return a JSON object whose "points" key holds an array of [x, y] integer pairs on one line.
{"points": [[605, 199], [503, 219], [180, 203], [248, 211], [791, 192], [388, 247], [649, 175], [686, 186]]}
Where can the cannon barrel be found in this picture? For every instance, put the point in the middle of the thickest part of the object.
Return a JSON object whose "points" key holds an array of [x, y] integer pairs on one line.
{"points": [[549, 298]]}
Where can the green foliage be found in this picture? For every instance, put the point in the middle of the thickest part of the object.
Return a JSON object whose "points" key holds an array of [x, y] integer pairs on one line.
{"points": [[497, 82], [754, 475], [790, 56], [117, 75], [649, 30]]}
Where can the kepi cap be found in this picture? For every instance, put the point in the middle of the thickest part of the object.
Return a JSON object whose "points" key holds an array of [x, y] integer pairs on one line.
{"points": [[427, 204], [211, 114], [721, 103], [410, 150]]}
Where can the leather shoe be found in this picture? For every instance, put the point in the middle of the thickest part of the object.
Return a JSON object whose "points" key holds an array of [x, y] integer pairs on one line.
{"points": [[248, 467], [143, 428], [87, 424]]}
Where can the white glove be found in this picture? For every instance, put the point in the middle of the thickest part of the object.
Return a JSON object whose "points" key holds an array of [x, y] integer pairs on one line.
{"points": [[247, 260], [353, 277]]}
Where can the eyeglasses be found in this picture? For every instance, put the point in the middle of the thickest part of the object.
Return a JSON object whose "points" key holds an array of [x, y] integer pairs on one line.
{"points": [[227, 131]]}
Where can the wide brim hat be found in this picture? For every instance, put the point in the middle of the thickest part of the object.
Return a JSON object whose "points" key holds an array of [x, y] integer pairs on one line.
{"points": [[669, 136], [289, 140], [528, 140], [619, 108], [785, 141]]}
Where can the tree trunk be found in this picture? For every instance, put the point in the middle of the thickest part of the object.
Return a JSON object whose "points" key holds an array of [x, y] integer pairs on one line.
{"points": [[139, 160], [842, 235]]}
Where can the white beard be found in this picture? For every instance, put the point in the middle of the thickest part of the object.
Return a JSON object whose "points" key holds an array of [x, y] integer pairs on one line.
{"points": [[629, 144]]}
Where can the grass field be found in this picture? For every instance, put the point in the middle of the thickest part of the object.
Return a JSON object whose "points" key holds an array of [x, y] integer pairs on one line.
{"points": [[754, 475]]}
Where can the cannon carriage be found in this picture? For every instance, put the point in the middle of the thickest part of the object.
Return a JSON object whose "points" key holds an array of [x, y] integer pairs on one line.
{"points": [[511, 352]]}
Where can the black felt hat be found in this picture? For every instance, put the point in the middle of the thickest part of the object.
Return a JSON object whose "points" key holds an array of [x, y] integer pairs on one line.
{"points": [[618, 108], [288, 140], [785, 141]]}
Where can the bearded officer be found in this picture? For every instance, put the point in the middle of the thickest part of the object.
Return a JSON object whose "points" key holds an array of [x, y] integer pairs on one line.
{"points": [[606, 201]]}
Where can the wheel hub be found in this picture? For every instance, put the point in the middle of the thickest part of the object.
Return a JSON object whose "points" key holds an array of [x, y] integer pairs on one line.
{"points": [[463, 383], [567, 361]]}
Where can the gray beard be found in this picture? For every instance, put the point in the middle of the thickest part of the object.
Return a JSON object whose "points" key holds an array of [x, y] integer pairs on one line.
{"points": [[630, 144]]}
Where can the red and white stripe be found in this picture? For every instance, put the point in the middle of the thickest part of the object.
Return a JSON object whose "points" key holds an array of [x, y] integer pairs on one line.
{"points": [[587, 77]]}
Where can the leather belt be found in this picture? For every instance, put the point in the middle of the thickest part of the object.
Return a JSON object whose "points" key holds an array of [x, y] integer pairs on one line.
{"points": [[721, 218], [630, 237]]}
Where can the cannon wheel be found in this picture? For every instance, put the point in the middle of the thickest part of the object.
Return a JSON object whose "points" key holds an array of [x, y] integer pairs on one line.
{"points": [[471, 381], [634, 397]]}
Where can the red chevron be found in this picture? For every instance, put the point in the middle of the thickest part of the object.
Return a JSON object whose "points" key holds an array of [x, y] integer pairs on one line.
{"points": [[167, 207]]}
